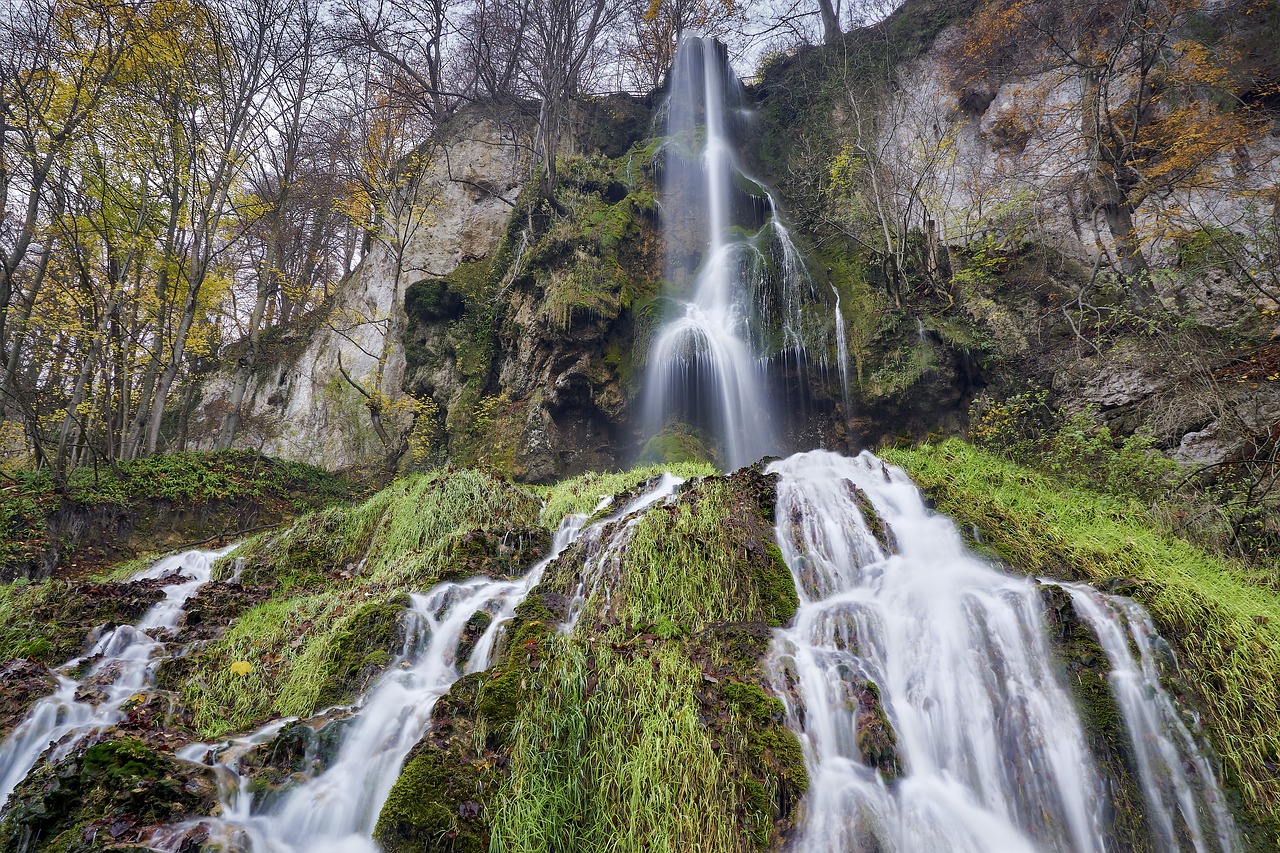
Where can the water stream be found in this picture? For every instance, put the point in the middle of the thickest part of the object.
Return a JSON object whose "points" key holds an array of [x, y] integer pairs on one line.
{"points": [[120, 663], [1178, 781], [908, 628], [336, 810]]}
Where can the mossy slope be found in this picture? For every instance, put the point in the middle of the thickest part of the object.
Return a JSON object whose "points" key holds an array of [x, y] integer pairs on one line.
{"points": [[647, 726], [104, 797], [162, 502], [1223, 623], [337, 582]]}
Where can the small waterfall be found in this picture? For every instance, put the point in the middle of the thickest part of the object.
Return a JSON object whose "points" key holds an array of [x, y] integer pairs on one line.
{"points": [[121, 663], [921, 683], [605, 557], [709, 364], [842, 352], [1178, 781], [336, 810]]}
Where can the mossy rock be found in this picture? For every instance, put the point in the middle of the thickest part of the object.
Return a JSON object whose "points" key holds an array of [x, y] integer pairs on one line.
{"points": [[441, 800], [418, 815], [105, 796], [880, 530], [876, 739], [362, 647]]}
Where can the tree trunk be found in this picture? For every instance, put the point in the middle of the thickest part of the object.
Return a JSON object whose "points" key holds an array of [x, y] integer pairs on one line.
{"points": [[268, 285], [1133, 265], [830, 22]]}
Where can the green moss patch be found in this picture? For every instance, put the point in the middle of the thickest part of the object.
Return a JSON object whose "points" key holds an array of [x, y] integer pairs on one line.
{"points": [[1224, 627], [153, 503], [104, 797]]}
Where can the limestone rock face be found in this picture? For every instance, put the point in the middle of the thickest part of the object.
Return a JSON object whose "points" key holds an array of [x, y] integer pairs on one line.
{"points": [[303, 408]]}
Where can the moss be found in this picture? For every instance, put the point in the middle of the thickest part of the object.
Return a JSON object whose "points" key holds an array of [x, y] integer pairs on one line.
{"points": [[50, 621], [362, 645], [876, 739], [1224, 627], [416, 815], [881, 531], [675, 445], [113, 790], [648, 724]]}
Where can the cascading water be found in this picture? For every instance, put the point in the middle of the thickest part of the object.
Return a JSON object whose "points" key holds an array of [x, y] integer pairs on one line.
{"points": [[905, 629], [1177, 779], [336, 810], [709, 364], [121, 664]]}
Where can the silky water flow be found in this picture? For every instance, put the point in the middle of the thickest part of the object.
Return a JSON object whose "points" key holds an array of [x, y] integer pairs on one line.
{"points": [[899, 624], [120, 663]]}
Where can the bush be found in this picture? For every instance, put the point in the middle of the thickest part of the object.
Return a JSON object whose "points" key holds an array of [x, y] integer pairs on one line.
{"points": [[1075, 448]]}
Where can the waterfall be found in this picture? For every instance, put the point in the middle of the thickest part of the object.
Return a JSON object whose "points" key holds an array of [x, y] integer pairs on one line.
{"points": [[922, 686], [1177, 779], [120, 663], [336, 810], [747, 306]]}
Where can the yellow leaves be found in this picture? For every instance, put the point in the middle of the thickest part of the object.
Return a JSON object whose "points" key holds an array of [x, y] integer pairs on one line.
{"points": [[241, 668], [845, 168]]}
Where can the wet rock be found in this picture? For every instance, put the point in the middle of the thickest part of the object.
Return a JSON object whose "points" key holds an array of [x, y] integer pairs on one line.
{"points": [[496, 553], [25, 681], [213, 608], [880, 530], [876, 738], [1087, 669]]}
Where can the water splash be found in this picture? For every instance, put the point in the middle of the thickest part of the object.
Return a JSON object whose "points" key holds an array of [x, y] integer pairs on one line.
{"points": [[120, 664]]}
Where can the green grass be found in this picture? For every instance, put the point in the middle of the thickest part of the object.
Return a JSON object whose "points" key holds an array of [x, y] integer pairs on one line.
{"points": [[305, 652], [692, 564], [620, 737], [626, 766], [583, 493], [1224, 626], [406, 534]]}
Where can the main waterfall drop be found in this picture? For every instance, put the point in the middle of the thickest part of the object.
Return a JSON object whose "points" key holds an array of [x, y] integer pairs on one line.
{"points": [[742, 306]]}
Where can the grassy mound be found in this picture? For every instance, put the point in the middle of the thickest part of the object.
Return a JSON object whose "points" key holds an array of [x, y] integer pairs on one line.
{"points": [[150, 504], [646, 727], [1223, 621], [338, 580]]}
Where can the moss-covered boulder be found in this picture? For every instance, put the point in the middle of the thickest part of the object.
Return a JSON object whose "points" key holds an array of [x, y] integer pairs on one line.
{"points": [[106, 796]]}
